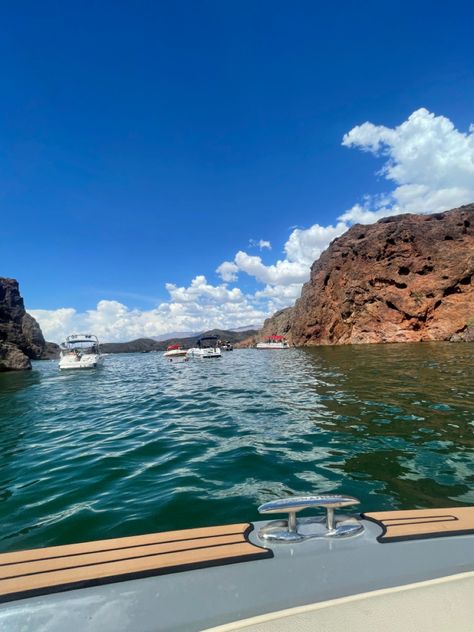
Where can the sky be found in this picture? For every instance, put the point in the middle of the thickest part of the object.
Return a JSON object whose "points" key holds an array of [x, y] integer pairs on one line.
{"points": [[178, 166]]}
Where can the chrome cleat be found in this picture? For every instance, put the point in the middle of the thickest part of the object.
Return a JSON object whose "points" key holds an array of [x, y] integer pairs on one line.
{"points": [[295, 530]]}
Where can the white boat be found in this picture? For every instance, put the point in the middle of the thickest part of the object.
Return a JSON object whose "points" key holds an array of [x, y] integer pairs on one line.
{"points": [[206, 347], [344, 572], [273, 342], [80, 351], [175, 353]]}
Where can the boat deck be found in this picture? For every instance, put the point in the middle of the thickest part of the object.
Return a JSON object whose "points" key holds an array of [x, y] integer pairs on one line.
{"points": [[185, 581], [60, 568], [423, 523]]}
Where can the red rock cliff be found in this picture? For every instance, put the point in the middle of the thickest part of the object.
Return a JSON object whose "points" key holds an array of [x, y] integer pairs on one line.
{"points": [[406, 278]]}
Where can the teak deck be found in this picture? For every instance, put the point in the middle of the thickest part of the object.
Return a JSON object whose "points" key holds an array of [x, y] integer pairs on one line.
{"points": [[59, 568], [423, 523]]}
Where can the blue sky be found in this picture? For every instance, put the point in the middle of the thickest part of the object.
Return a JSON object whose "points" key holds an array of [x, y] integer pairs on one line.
{"points": [[143, 144]]}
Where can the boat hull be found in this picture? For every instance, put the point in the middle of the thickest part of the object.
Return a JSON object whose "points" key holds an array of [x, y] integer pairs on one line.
{"points": [[176, 355], [204, 354], [90, 361]]}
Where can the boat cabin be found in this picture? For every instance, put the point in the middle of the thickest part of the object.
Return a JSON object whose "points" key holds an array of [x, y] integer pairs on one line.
{"points": [[80, 344], [207, 342]]}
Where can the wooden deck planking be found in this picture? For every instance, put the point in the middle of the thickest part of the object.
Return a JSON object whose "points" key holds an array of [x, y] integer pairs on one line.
{"points": [[423, 523], [54, 569], [117, 543]]}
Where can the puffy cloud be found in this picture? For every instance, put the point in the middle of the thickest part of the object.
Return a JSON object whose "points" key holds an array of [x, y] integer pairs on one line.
{"points": [[305, 245], [301, 249], [277, 297], [228, 271], [201, 290], [262, 244], [283, 272], [429, 160], [195, 308]]}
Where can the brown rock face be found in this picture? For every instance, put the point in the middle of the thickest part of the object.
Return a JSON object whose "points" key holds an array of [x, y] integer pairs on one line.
{"points": [[279, 323], [406, 278], [20, 334]]}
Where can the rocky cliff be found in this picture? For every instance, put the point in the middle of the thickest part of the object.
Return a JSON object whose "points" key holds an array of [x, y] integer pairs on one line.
{"points": [[20, 334], [406, 278]]}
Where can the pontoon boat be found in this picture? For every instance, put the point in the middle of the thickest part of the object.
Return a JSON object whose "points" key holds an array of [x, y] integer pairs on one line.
{"points": [[274, 342]]}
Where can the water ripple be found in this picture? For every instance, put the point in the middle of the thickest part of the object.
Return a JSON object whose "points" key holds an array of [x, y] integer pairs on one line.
{"points": [[143, 445]]}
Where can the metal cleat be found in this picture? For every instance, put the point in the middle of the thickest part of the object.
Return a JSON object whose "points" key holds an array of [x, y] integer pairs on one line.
{"points": [[295, 530]]}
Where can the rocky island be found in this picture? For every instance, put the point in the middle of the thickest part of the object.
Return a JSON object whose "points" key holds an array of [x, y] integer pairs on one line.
{"points": [[407, 278], [20, 335]]}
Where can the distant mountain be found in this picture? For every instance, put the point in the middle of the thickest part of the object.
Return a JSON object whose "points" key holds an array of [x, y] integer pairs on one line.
{"points": [[144, 345], [246, 328], [176, 334], [191, 334]]}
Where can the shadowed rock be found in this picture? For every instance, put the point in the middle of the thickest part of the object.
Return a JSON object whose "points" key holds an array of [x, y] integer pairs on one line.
{"points": [[20, 334]]}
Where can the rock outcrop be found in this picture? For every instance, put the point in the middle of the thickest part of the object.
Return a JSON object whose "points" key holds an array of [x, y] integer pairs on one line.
{"points": [[51, 351], [406, 278], [20, 334]]}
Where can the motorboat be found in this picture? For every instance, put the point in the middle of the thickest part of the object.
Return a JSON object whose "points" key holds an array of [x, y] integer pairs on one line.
{"points": [[205, 348], [274, 342], [175, 353], [80, 351], [343, 570], [226, 346]]}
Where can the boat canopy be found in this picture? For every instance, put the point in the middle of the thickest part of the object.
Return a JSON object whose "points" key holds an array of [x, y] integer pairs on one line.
{"points": [[208, 338], [82, 338], [173, 347], [81, 342], [276, 338]]}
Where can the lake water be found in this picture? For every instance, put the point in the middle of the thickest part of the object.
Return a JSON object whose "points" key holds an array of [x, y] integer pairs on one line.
{"points": [[142, 445]]}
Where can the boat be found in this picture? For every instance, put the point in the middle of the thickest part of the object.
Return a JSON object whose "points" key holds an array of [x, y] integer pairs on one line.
{"points": [[175, 353], [339, 570], [80, 351], [274, 342], [206, 347], [226, 346]]}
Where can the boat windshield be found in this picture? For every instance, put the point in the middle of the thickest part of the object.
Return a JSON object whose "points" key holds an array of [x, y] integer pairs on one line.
{"points": [[81, 344], [209, 342]]}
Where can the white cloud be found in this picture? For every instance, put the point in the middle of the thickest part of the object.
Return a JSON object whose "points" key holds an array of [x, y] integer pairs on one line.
{"points": [[276, 297], [283, 272], [262, 244], [201, 290], [428, 159], [306, 245], [195, 308], [228, 271]]}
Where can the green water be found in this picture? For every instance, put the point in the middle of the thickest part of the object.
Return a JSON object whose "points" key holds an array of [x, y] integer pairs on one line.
{"points": [[142, 445]]}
